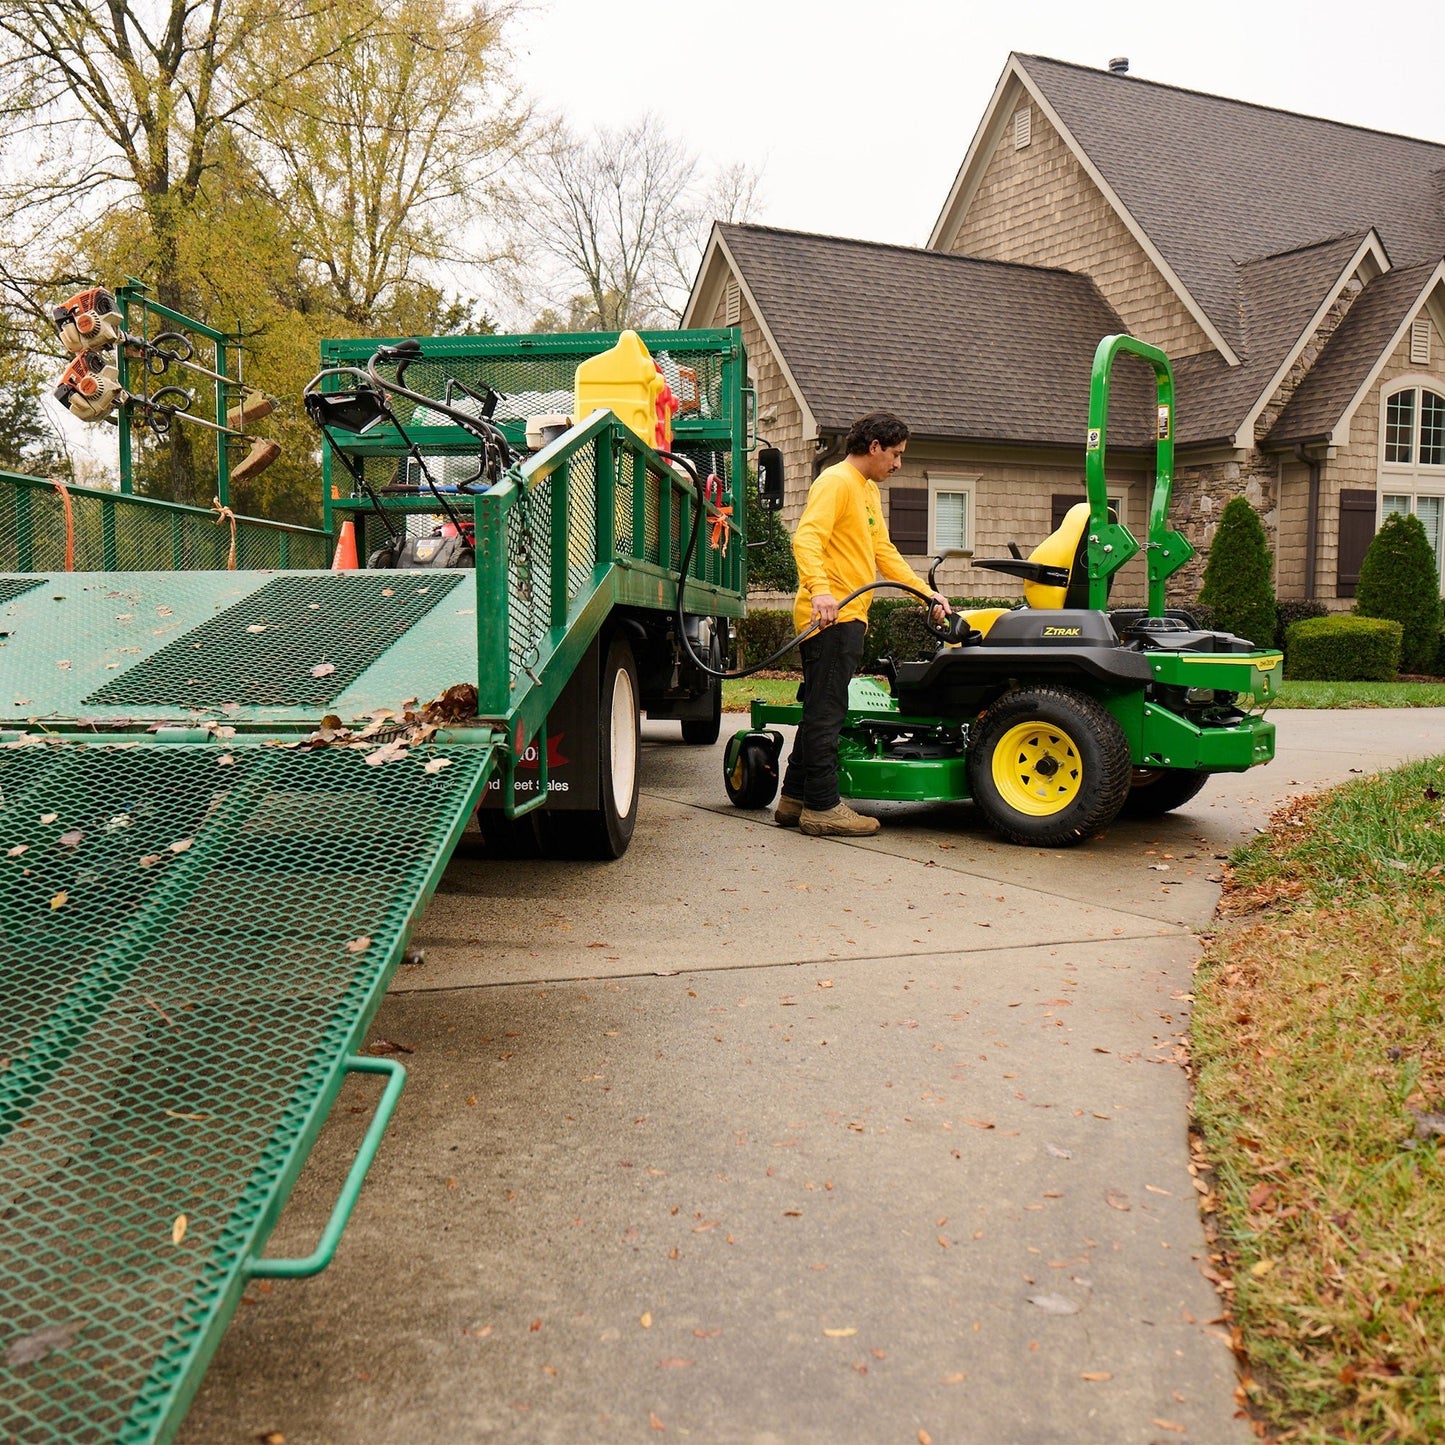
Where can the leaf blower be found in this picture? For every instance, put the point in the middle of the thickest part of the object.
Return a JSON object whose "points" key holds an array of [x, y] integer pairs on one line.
{"points": [[89, 387], [88, 321]]}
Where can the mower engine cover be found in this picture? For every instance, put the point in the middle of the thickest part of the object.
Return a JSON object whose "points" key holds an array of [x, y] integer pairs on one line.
{"points": [[449, 546]]}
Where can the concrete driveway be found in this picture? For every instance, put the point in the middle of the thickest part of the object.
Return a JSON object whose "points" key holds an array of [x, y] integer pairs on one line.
{"points": [[751, 1137]]}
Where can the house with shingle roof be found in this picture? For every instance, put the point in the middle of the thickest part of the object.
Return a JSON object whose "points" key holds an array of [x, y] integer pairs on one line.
{"points": [[1293, 268]]}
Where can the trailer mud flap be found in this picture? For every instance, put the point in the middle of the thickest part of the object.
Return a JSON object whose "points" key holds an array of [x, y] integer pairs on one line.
{"points": [[194, 939]]}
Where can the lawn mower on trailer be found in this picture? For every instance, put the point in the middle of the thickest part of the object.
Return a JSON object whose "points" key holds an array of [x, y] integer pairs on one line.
{"points": [[365, 404], [1059, 716]]}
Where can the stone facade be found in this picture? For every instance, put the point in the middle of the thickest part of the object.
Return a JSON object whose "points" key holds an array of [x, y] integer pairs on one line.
{"points": [[1201, 492], [1038, 206]]}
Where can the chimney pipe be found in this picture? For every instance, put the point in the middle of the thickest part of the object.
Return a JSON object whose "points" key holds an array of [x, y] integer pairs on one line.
{"points": [[1119, 65]]}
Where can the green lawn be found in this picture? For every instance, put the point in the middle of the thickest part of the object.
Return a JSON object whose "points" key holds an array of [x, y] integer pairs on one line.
{"points": [[738, 693]]}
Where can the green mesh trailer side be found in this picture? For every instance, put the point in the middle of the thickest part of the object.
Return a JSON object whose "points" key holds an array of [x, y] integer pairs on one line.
{"points": [[193, 941], [41, 523]]}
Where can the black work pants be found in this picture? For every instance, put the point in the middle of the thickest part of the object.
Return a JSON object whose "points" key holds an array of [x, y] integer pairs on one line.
{"points": [[830, 658]]}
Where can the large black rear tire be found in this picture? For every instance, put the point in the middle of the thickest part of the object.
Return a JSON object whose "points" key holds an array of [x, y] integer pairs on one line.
{"points": [[1048, 766], [605, 832], [1156, 791]]}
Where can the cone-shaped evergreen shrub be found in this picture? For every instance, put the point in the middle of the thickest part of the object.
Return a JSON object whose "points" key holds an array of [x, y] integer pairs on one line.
{"points": [[1400, 579], [1237, 578]]}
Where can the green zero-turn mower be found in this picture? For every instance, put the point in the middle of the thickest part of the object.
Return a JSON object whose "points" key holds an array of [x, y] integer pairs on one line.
{"points": [[1059, 716]]}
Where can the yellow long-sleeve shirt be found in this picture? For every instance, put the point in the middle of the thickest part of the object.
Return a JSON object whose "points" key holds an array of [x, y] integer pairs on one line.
{"points": [[842, 542]]}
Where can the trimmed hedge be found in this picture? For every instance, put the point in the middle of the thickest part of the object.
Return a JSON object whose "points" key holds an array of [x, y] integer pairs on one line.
{"points": [[1296, 609], [1344, 649], [760, 633]]}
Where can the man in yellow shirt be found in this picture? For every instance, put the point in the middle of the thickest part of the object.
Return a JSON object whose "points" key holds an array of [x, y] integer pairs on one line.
{"points": [[841, 543]]}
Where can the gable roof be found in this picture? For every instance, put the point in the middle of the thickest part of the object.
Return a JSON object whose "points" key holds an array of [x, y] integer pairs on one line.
{"points": [[1213, 181], [963, 349], [1353, 355], [1282, 300]]}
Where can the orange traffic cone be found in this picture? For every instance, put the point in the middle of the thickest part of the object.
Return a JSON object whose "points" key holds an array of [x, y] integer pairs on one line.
{"points": [[345, 559]]}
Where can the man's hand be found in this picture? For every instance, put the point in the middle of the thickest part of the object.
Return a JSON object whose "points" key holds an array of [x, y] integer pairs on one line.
{"points": [[825, 609], [941, 607]]}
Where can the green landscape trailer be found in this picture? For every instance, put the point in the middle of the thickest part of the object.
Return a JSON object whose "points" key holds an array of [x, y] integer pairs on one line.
{"points": [[225, 797], [1058, 717]]}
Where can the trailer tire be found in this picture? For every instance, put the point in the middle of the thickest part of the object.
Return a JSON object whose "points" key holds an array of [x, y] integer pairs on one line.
{"points": [[605, 832], [1048, 766], [704, 732], [1156, 791]]}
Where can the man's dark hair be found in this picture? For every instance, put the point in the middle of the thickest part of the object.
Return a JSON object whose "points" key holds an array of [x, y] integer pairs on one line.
{"points": [[878, 426]]}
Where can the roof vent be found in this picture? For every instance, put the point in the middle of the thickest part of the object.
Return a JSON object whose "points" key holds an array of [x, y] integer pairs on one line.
{"points": [[1119, 65]]}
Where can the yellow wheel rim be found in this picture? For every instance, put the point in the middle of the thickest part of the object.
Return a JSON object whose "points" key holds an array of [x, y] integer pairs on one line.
{"points": [[1037, 769]]}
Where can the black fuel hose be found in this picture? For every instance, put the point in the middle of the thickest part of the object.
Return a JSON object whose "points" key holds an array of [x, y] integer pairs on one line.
{"points": [[687, 464]]}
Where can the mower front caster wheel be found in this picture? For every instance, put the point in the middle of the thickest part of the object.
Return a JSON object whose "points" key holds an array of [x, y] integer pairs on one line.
{"points": [[750, 768], [1048, 766], [1156, 791]]}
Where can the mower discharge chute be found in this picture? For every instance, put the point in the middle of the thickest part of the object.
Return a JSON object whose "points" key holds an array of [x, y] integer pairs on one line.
{"points": [[1057, 717]]}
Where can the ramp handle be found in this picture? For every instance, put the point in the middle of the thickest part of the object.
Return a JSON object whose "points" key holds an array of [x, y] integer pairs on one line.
{"points": [[322, 1255]]}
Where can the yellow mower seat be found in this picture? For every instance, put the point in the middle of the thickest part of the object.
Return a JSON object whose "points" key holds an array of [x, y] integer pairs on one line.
{"points": [[1055, 574], [1063, 547]]}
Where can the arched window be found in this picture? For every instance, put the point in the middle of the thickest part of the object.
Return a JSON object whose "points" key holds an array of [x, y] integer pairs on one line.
{"points": [[1412, 471]]}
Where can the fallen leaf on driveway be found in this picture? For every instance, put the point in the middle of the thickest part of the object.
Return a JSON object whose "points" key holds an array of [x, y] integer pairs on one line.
{"points": [[1115, 1200], [840, 1334], [1096, 1375], [1168, 1425], [1055, 1304], [653, 1420], [674, 1364]]}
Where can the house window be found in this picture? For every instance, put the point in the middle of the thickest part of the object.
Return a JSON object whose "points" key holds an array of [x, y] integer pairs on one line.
{"points": [[1431, 512], [1415, 428], [950, 513]]}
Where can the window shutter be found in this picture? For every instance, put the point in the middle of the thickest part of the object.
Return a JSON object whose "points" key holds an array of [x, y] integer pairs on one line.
{"points": [[908, 519], [1062, 501], [733, 304], [1357, 530], [1420, 342], [1023, 127]]}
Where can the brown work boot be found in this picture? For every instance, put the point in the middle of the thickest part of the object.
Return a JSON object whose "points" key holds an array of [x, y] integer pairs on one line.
{"points": [[839, 821], [788, 811]]}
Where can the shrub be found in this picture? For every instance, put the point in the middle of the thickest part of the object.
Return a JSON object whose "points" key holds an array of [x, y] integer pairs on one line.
{"points": [[1344, 649], [760, 633], [896, 630], [771, 567], [1296, 609], [1400, 579], [1237, 577]]}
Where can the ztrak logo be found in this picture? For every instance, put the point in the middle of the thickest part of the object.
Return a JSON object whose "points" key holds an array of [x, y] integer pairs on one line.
{"points": [[1063, 632]]}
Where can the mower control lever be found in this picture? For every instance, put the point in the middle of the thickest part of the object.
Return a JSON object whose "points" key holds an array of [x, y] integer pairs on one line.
{"points": [[947, 555]]}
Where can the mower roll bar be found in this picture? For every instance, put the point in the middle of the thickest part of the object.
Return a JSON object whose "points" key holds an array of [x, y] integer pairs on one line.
{"points": [[1111, 544]]}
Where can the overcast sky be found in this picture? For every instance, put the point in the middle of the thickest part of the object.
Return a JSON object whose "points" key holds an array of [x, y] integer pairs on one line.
{"points": [[859, 113]]}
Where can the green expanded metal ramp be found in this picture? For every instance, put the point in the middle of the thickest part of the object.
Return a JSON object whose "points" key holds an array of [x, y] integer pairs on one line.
{"points": [[195, 938]]}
